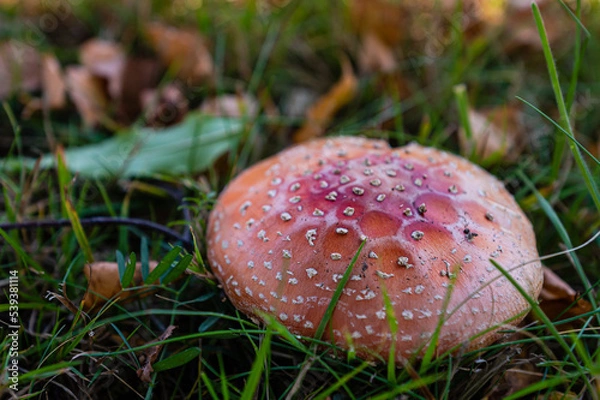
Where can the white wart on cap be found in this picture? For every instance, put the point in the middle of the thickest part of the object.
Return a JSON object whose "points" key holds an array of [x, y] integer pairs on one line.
{"points": [[284, 231]]}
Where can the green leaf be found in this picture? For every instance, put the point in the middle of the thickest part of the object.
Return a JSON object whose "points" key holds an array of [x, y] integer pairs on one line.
{"points": [[120, 265], [178, 359], [190, 146], [163, 265], [129, 272], [145, 258], [177, 270]]}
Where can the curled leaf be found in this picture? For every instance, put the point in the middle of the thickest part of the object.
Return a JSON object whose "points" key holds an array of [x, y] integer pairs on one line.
{"points": [[559, 301], [53, 83], [87, 93], [184, 50], [149, 356], [376, 56], [104, 283], [106, 60]]}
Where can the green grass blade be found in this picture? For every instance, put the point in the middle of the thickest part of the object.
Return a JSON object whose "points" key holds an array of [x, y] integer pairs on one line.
{"points": [[125, 341], [144, 258], [565, 120], [579, 50], [209, 386], [178, 359], [280, 329], [257, 367], [129, 272], [560, 128], [393, 324], [121, 265], [64, 182], [576, 17], [408, 386], [547, 323], [462, 104], [546, 383], [337, 294], [21, 252], [432, 345], [564, 235], [47, 371], [341, 381]]}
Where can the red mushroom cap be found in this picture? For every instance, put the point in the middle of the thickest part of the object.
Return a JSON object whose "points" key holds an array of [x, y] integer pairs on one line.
{"points": [[284, 231]]}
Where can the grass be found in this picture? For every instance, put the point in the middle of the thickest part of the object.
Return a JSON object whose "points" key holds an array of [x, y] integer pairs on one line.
{"points": [[214, 351]]}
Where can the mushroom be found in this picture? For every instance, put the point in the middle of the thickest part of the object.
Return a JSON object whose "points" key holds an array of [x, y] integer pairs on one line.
{"points": [[284, 232]]}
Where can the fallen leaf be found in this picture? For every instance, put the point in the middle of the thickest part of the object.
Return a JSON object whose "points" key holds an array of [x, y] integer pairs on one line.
{"points": [[20, 66], [139, 75], [183, 50], [150, 354], [384, 19], [104, 283], [53, 82], [104, 59], [497, 134], [560, 301], [231, 105], [522, 375], [374, 55], [87, 92], [556, 395], [188, 147], [320, 114]]}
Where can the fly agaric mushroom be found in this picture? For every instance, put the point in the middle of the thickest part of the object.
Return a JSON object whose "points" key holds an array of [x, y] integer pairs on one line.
{"points": [[283, 233]]}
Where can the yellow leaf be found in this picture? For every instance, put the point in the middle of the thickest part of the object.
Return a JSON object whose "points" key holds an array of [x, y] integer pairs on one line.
{"points": [[320, 114]]}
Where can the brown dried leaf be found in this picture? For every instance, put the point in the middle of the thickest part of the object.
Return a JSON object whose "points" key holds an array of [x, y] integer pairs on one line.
{"points": [[20, 66], [320, 114], [375, 56], [231, 105], [150, 355], [556, 395], [53, 82], [87, 92], [522, 375], [184, 50], [139, 75], [64, 300], [558, 300], [104, 59], [497, 134], [384, 19], [104, 282]]}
